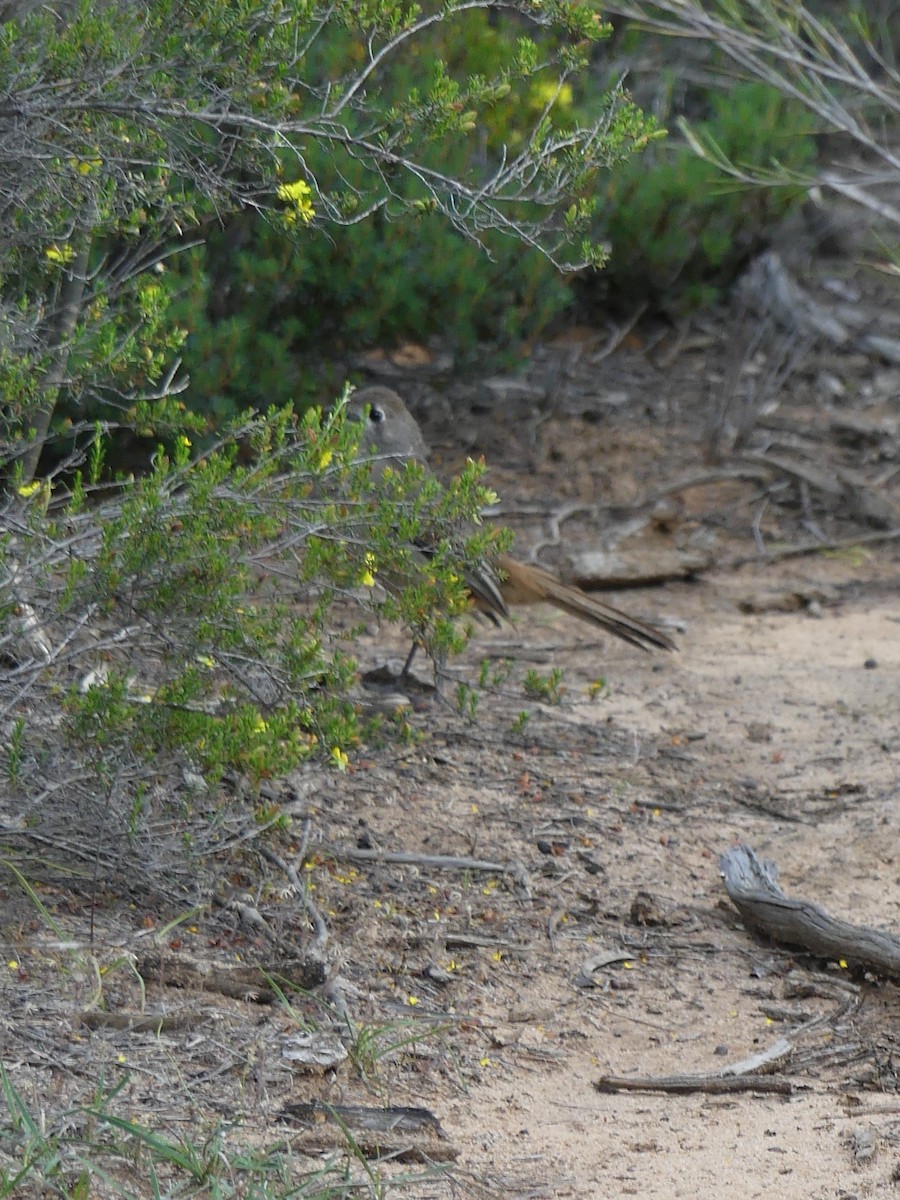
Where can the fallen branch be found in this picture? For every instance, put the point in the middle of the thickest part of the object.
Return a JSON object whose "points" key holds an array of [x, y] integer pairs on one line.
{"points": [[801, 548], [752, 885], [749, 1075], [841, 486], [683, 1084], [403, 1133], [133, 1022], [250, 984], [438, 862]]}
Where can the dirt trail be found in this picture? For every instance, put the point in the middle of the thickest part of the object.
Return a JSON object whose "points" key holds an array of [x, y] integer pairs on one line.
{"points": [[774, 725], [767, 715]]}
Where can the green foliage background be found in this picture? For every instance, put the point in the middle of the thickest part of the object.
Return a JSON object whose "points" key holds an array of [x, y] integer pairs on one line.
{"points": [[262, 310], [678, 231], [259, 308]]}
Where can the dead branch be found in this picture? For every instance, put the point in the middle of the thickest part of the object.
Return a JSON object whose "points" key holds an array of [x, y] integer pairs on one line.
{"points": [[715, 1085], [752, 885]]}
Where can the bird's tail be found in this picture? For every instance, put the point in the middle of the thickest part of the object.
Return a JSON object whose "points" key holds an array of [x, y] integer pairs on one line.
{"points": [[525, 582]]}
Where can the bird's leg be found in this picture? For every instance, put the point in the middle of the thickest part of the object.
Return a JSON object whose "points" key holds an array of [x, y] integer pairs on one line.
{"points": [[407, 666]]}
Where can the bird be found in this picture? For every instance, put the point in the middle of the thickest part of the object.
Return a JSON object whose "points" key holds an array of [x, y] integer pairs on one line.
{"points": [[392, 437]]}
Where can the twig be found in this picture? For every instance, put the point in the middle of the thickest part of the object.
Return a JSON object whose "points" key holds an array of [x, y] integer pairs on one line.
{"points": [[618, 335], [682, 1084], [316, 920], [439, 862], [801, 548]]}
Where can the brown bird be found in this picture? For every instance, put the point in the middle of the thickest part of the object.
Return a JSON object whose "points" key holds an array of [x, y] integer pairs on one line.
{"points": [[393, 436]]}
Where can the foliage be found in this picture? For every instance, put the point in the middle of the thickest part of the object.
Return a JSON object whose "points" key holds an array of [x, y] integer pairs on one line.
{"points": [[382, 283], [549, 688], [260, 308], [133, 131], [837, 62], [187, 618], [678, 230]]}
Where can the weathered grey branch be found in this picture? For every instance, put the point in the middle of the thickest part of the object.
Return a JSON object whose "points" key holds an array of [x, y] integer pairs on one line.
{"points": [[752, 885]]}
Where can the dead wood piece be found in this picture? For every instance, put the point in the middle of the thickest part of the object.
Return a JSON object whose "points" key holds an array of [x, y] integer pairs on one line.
{"points": [[440, 862], [683, 1084], [597, 569], [772, 292], [864, 1145], [404, 1133], [314, 1052], [605, 958], [240, 983], [472, 941], [785, 600], [862, 501], [863, 429], [887, 348], [132, 1022], [752, 885]]}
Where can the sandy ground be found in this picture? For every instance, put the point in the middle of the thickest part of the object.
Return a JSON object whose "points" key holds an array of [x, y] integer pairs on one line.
{"points": [[785, 740], [774, 725]]}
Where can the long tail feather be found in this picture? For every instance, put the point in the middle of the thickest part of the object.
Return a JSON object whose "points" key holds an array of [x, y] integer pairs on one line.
{"points": [[527, 582]]}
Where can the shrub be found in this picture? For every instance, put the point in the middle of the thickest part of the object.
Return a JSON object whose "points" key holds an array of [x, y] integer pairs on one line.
{"points": [[260, 310], [679, 231], [185, 621]]}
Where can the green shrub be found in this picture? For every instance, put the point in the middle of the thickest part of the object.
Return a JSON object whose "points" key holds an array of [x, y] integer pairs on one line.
{"points": [[187, 619], [366, 285], [678, 229], [142, 130], [260, 309]]}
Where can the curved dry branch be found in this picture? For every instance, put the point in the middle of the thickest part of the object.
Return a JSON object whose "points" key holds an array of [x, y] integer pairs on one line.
{"points": [[752, 885]]}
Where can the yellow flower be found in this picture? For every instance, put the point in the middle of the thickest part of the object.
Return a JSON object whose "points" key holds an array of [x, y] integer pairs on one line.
{"points": [[59, 254], [298, 195], [84, 166], [184, 441], [545, 92], [367, 578], [28, 489], [340, 758], [325, 458], [295, 192]]}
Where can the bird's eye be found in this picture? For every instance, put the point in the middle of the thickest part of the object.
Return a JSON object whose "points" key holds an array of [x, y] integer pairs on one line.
{"points": [[376, 414]]}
